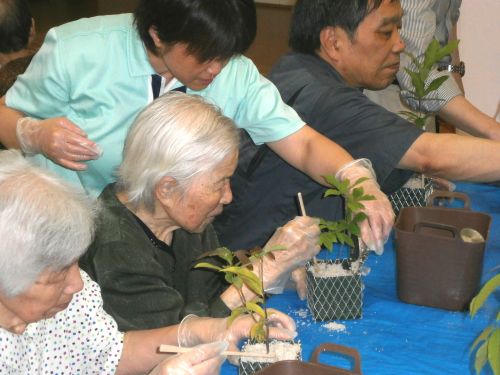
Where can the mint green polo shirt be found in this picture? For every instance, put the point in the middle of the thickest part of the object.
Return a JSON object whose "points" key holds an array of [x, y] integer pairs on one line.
{"points": [[95, 72]]}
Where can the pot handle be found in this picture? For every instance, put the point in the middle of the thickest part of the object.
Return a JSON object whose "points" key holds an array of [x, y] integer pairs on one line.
{"points": [[336, 348], [439, 194], [429, 224]]}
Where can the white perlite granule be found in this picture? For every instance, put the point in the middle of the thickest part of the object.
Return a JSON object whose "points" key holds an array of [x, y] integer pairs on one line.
{"points": [[332, 326], [323, 269], [281, 350]]}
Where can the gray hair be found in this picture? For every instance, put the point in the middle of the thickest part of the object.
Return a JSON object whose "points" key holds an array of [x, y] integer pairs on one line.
{"points": [[45, 224], [177, 135]]}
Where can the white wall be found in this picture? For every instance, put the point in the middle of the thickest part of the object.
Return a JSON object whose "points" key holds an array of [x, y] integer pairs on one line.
{"points": [[479, 34]]}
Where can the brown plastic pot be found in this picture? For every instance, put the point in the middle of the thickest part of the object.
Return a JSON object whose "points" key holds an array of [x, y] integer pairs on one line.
{"points": [[314, 367], [435, 267]]}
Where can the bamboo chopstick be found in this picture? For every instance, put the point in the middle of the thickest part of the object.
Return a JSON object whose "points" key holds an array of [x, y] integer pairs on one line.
{"points": [[178, 349]]}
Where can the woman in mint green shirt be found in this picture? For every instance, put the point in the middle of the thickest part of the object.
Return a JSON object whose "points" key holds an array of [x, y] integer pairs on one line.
{"points": [[92, 76]]}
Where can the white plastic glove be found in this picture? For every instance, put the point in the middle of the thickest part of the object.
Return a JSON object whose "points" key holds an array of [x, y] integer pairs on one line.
{"points": [[58, 139], [205, 359], [376, 228], [299, 277], [194, 330], [300, 237]]}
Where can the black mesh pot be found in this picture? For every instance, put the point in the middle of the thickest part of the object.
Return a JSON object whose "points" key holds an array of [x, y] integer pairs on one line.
{"points": [[249, 365], [334, 298], [409, 196]]}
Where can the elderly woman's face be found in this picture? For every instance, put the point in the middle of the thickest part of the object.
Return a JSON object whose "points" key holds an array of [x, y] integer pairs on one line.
{"points": [[50, 294], [203, 200]]}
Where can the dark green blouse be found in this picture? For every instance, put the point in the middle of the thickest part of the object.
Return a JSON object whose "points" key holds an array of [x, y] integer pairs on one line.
{"points": [[146, 284]]}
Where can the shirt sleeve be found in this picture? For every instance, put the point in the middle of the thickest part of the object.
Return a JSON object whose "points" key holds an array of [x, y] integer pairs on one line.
{"points": [[254, 103], [419, 28], [43, 90]]}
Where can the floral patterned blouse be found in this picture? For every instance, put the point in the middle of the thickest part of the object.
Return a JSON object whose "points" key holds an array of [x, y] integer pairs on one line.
{"points": [[82, 339]]}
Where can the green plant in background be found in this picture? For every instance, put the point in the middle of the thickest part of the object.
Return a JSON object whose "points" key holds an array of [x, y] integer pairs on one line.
{"points": [[487, 344], [240, 275], [422, 68], [342, 231]]}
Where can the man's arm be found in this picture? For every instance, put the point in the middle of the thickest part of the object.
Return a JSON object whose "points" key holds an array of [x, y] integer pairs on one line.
{"points": [[465, 116], [454, 157], [8, 120], [317, 156]]}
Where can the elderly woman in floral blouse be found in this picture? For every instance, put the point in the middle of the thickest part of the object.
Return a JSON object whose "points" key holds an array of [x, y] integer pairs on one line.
{"points": [[51, 315]]}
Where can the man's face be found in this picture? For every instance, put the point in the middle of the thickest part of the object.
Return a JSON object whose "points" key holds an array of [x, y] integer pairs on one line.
{"points": [[176, 61], [371, 59]]}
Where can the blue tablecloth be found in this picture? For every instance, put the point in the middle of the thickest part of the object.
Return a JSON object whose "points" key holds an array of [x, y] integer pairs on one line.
{"points": [[398, 338]]}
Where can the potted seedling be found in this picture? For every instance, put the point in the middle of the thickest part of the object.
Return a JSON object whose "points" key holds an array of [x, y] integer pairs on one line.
{"points": [[419, 187], [240, 275], [334, 287], [486, 347]]}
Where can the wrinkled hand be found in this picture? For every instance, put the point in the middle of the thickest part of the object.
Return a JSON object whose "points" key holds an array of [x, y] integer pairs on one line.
{"points": [[300, 237], [58, 139], [299, 277], [194, 330], [376, 228], [205, 359]]}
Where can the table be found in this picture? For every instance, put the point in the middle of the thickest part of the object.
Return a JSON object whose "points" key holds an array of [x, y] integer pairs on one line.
{"points": [[398, 338]]}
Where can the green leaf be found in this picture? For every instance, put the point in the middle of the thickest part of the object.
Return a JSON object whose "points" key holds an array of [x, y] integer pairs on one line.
{"points": [[488, 288], [254, 307], [221, 252], [446, 50], [235, 313], [417, 82], [207, 265], [481, 338], [257, 332], [494, 351], [420, 122], [481, 357], [435, 84]]}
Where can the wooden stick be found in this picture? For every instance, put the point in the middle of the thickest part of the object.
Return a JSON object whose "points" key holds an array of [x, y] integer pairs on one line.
{"points": [[301, 204], [178, 349], [303, 213]]}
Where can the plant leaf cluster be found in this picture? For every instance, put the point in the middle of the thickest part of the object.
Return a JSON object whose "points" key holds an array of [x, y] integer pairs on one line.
{"points": [[240, 275], [420, 74], [487, 344], [342, 231]]}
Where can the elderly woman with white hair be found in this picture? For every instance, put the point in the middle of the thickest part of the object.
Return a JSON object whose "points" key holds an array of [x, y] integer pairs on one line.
{"points": [[156, 220], [51, 315]]}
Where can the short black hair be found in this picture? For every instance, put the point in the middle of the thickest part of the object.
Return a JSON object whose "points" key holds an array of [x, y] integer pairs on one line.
{"points": [[310, 17], [15, 25], [212, 29]]}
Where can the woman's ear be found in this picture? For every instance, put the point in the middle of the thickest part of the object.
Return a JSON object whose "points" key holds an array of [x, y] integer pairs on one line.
{"points": [[165, 189]]}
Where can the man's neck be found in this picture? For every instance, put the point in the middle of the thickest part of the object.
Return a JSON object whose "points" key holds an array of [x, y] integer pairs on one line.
{"points": [[5, 58]]}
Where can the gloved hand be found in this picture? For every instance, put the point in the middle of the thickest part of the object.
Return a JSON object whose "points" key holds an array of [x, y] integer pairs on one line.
{"points": [[205, 359], [194, 330], [376, 228], [299, 277], [58, 139], [300, 237]]}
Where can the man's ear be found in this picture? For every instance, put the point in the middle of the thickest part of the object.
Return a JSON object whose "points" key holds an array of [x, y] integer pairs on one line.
{"points": [[165, 188], [153, 33], [330, 41]]}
